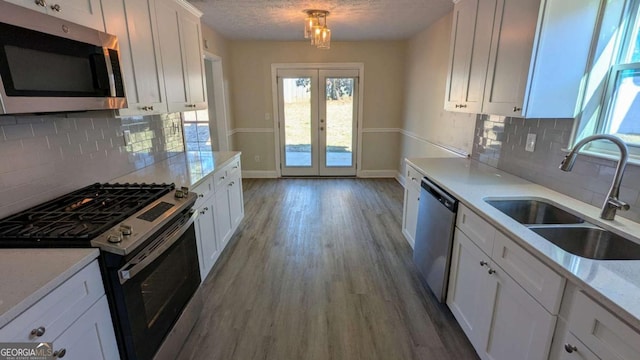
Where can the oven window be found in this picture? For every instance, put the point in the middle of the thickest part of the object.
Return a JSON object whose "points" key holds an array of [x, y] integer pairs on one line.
{"points": [[159, 287]]}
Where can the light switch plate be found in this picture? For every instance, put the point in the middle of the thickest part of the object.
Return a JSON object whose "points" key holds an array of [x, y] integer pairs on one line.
{"points": [[531, 143]]}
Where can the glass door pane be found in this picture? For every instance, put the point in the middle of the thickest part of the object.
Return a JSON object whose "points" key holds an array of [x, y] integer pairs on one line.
{"points": [[297, 121], [339, 122]]}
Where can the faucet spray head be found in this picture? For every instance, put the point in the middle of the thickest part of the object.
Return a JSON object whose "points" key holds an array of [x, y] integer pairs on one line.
{"points": [[568, 161]]}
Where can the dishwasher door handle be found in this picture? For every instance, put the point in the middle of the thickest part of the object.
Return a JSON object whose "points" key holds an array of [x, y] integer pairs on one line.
{"points": [[447, 200]]}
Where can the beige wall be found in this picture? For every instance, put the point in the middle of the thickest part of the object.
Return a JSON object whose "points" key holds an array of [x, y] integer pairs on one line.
{"points": [[424, 120], [252, 97]]}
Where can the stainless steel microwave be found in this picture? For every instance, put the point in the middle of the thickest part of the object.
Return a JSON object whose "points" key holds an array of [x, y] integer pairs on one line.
{"points": [[51, 65]]}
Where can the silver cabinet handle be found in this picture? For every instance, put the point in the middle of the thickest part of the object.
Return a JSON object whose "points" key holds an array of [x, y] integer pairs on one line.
{"points": [[41, 3], [38, 332], [483, 263], [570, 348], [60, 353], [516, 109], [56, 7], [204, 210], [200, 195], [491, 271]]}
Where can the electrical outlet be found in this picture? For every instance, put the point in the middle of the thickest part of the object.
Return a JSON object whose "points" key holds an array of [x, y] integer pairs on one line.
{"points": [[531, 143], [256, 158]]}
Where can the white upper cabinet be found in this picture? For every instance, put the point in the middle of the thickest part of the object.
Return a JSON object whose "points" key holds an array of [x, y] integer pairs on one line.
{"points": [[538, 56], [181, 52], [469, 55], [134, 23], [83, 12]]}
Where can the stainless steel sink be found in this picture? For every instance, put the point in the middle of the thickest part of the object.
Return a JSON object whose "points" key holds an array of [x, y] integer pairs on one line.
{"points": [[531, 211], [590, 242]]}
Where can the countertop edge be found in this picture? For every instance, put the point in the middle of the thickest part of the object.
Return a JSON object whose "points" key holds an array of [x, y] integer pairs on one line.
{"points": [[37, 295], [594, 293]]}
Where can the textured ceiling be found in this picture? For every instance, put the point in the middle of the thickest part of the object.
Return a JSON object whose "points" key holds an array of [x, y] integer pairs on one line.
{"points": [[350, 20]]}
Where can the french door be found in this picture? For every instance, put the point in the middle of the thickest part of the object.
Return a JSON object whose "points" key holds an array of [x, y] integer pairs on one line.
{"points": [[318, 127]]}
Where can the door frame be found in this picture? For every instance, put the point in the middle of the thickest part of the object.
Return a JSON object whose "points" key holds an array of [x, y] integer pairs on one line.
{"points": [[319, 66], [217, 98]]}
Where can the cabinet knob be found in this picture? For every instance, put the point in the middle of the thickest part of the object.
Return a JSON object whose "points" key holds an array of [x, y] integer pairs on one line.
{"points": [[516, 109], [457, 106], [38, 332], [56, 8], [491, 271], [570, 348], [463, 105], [41, 3], [200, 195], [60, 353], [483, 263]]}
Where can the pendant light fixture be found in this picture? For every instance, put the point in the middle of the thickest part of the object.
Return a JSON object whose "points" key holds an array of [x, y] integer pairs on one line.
{"points": [[315, 28]]}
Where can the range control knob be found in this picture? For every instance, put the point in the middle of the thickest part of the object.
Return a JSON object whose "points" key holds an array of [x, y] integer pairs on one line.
{"points": [[126, 230], [115, 237], [179, 194]]}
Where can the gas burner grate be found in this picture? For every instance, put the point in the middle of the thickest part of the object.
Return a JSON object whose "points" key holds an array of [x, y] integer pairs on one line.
{"points": [[81, 215]]}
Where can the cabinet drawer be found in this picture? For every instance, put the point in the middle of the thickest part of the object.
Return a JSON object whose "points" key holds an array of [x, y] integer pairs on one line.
{"points": [[59, 309], [233, 168], [578, 350], [478, 230], [203, 190], [603, 333], [219, 177], [544, 284], [414, 177]]}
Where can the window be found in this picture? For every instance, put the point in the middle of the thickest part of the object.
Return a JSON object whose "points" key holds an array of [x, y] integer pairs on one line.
{"points": [[618, 111], [197, 136]]}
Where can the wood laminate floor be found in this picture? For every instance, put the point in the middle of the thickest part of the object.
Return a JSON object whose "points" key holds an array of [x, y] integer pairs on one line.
{"points": [[319, 269]]}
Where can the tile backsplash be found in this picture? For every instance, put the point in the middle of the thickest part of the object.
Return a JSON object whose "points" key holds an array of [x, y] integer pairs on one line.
{"points": [[500, 142], [42, 157]]}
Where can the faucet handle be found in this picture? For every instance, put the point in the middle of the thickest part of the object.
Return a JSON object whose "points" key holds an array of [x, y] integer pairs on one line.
{"points": [[618, 204]]}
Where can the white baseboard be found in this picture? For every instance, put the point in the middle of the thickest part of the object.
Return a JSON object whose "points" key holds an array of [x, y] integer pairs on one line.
{"points": [[259, 174], [399, 178], [377, 173]]}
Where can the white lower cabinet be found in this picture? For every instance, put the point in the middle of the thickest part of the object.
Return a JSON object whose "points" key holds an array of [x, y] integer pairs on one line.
{"points": [[501, 319], [411, 204], [90, 337], [74, 316], [593, 332], [220, 209]]}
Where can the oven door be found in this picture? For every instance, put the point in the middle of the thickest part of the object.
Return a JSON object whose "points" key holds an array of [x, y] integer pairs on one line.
{"points": [[152, 288]]}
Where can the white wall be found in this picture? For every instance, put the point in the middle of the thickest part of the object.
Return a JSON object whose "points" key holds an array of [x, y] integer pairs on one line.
{"points": [[252, 96], [425, 122]]}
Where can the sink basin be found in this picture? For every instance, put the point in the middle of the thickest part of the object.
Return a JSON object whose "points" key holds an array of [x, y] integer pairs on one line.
{"points": [[590, 242], [531, 211]]}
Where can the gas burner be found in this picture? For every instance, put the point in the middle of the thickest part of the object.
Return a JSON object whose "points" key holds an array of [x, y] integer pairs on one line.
{"points": [[79, 216]]}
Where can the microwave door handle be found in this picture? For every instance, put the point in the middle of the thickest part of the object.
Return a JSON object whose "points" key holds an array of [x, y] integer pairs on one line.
{"points": [[103, 73], [135, 266]]}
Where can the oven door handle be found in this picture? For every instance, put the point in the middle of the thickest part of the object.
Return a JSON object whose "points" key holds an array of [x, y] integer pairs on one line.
{"points": [[141, 261]]}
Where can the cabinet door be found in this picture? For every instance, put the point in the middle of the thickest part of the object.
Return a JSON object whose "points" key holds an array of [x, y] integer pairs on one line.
{"points": [[518, 327], [90, 337], [168, 14], [222, 216], [208, 250], [135, 25], [410, 213], [467, 297], [192, 40], [573, 349], [469, 55], [510, 56], [83, 12], [236, 205]]}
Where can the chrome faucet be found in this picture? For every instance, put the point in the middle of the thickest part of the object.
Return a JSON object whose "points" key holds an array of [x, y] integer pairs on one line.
{"points": [[612, 203]]}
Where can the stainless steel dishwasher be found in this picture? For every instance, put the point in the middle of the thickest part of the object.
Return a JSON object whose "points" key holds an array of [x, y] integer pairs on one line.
{"points": [[434, 236]]}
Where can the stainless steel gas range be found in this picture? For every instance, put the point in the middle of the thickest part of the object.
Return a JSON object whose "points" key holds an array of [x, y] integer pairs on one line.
{"points": [[148, 258]]}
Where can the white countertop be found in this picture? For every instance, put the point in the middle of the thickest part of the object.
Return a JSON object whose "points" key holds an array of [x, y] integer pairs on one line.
{"points": [[30, 274], [185, 169], [615, 283]]}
